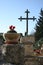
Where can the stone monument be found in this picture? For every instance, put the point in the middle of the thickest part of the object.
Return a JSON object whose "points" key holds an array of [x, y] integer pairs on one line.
{"points": [[12, 50]]}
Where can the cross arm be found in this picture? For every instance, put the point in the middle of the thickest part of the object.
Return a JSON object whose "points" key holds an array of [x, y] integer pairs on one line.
{"points": [[26, 18], [22, 18], [32, 18]]}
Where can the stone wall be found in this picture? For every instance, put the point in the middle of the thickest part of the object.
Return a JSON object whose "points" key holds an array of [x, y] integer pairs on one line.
{"points": [[29, 38], [28, 49]]}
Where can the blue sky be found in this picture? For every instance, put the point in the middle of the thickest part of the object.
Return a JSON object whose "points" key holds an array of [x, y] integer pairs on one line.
{"points": [[11, 10]]}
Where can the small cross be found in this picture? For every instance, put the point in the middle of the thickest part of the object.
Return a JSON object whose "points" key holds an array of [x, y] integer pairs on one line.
{"points": [[26, 20]]}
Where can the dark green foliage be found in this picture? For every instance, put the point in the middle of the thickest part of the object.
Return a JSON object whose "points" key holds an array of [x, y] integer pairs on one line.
{"points": [[38, 44], [39, 27], [1, 37]]}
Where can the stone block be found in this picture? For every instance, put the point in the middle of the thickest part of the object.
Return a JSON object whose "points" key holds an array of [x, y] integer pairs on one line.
{"points": [[13, 53]]}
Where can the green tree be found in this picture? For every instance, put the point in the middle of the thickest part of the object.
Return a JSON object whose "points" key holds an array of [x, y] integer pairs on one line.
{"points": [[1, 37], [39, 27], [38, 44]]}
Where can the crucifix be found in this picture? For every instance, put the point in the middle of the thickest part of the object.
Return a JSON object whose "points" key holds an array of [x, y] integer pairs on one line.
{"points": [[26, 20]]}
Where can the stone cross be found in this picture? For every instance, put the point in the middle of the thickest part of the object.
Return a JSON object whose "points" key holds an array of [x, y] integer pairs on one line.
{"points": [[26, 20]]}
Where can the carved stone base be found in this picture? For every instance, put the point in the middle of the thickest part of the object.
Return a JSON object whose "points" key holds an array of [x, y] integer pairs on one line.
{"points": [[13, 53]]}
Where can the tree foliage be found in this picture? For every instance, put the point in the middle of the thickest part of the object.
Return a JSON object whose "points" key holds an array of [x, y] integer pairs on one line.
{"points": [[39, 27], [38, 44], [1, 37]]}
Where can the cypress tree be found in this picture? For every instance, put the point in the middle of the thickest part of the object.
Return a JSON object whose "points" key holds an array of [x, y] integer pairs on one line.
{"points": [[39, 27]]}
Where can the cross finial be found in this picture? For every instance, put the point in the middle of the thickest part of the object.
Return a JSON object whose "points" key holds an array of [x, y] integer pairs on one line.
{"points": [[27, 11]]}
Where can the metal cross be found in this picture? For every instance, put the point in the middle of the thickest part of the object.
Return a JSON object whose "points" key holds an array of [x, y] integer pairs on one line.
{"points": [[26, 20]]}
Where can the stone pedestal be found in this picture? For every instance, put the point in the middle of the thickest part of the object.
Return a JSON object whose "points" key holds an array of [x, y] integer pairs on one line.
{"points": [[13, 53]]}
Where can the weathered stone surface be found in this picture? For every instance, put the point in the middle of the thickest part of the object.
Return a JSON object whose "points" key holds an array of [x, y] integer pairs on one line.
{"points": [[1, 57], [32, 61], [6, 64], [13, 53]]}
